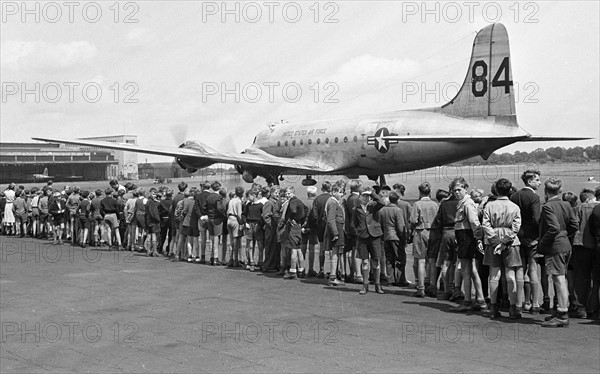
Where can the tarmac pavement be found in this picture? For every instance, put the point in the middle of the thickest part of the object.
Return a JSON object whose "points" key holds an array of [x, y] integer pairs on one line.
{"points": [[68, 309]]}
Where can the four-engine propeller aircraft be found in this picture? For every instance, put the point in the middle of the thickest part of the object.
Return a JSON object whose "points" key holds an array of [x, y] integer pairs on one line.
{"points": [[478, 120], [42, 177]]}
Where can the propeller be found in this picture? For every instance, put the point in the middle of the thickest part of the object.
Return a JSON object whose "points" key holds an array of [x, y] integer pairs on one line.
{"points": [[179, 133]]}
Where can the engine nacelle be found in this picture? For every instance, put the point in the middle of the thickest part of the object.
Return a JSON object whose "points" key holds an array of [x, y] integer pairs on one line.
{"points": [[192, 164], [248, 175]]}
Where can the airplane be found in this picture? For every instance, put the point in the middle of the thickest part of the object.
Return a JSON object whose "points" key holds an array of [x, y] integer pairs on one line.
{"points": [[42, 177], [480, 119]]}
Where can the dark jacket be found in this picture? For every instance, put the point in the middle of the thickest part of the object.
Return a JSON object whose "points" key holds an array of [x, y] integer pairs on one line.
{"points": [[335, 222], [558, 225], [318, 214], [366, 222], [349, 205], [529, 203], [393, 222]]}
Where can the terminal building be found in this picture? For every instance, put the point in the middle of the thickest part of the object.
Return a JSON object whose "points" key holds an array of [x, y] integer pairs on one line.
{"points": [[127, 162], [36, 162]]}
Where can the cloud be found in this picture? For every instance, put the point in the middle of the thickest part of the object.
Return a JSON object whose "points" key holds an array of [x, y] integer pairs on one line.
{"points": [[39, 55], [140, 36]]}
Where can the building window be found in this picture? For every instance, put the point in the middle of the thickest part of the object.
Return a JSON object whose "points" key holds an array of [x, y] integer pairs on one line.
{"points": [[286, 143], [278, 143], [130, 141], [301, 142], [326, 140]]}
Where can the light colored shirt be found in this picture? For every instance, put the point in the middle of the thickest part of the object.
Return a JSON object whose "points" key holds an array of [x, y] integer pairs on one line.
{"points": [[501, 221]]}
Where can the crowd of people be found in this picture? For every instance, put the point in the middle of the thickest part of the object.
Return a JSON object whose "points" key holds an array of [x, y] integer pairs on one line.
{"points": [[488, 252]]}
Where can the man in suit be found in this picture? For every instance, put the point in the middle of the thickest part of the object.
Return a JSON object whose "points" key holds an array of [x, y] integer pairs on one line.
{"points": [[406, 208], [369, 232], [395, 229], [558, 225], [351, 239], [318, 216], [529, 203]]}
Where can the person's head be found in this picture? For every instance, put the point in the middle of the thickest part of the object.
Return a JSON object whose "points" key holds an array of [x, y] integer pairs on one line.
{"points": [[503, 187], [290, 192], [311, 191], [98, 192], [231, 194], [239, 191], [531, 178], [425, 189], [223, 192], [169, 193], [385, 196], [477, 195], [326, 187], [399, 189], [114, 183], [570, 198], [365, 195], [376, 188], [552, 187], [341, 183], [135, 193], [85, 194], [186, 193], [205, 185], [251, 195], [597, 193], [337, 191], [108, 192], [128, 186], [18, 192], [265, 192], [459, 187], [120, 192], [587, 196], [216, 186], [141, 192], [441, 194], [182, 186], [11, 186], [76, 189], [354, 185]]}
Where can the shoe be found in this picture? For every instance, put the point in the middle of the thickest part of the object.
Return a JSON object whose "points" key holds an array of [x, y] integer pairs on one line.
{"points": [[302, 274], [197, 260], [545, 307], [216, 262], [431, 292], [560, 320], [364, 290], [290, 276], [321, 275], [359, 280], [312, 273], [54, 242], [457, 296], [403, 284], [229, 264], [551, 316], [335, 282], [236, 264], [578, 313], [494, 312], [247, 267], [202, 261], [465, 306], [479, 305], [60, 242], [535, 310], [349, 279], [420, 294], [514, 312], [378, 289], [190, 260], [527, 307], [251, 268]]}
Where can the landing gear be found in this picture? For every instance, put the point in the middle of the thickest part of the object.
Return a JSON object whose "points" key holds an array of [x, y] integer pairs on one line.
{"points": [[309, 181], [380, 177]]}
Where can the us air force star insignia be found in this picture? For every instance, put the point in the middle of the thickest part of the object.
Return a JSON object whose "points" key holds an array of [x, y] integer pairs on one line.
{"points": [[380, 140]]}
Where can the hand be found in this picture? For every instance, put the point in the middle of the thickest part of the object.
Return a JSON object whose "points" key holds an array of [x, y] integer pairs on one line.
{"points": [[335, 238], [480, 247], [498, 249], [247, 225]]}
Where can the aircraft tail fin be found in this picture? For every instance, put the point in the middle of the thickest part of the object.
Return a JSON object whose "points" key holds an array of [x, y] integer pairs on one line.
{"points": [[488, 86]]}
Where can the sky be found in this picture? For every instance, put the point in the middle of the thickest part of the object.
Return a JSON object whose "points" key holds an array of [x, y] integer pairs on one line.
{"points": [[170, 71]]}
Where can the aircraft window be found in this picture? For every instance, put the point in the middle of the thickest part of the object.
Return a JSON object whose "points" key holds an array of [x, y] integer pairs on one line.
{"points": [[286, 143], [309, 141], [294, 142], [301, 141], [345, 139], [355, 138], [279, 144], [318, 140], [336, 139], [326, 140]]}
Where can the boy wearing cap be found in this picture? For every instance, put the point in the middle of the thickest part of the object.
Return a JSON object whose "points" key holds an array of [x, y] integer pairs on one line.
{"points": [[369, 232]]}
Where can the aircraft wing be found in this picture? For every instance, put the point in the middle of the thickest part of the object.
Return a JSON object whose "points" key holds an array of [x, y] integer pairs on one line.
{"points": [[205, 154]]}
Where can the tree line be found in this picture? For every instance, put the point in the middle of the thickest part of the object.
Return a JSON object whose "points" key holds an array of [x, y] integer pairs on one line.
{"points": [[540, 156]]}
